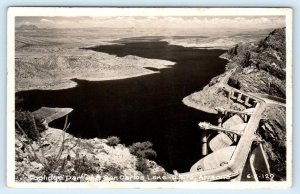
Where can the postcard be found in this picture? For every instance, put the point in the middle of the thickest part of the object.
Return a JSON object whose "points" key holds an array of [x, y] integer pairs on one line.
{"points": [[105, 97]]}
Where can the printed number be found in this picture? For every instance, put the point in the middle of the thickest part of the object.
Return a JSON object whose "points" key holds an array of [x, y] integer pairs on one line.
{"points": [[267, 176]]}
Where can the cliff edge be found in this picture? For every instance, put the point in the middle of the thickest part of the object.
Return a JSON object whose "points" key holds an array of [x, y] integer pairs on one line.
{"points": [[258, 68]]}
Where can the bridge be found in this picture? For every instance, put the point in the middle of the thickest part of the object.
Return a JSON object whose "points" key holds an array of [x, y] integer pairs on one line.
{"points": [[228, 162]]}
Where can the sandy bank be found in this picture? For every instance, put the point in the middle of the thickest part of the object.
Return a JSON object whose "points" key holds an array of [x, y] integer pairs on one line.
{"points": [[210, 97], [215, 42], [52, 70]]}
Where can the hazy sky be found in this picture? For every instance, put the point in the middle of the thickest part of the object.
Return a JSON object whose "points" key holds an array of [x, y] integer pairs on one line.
{"points": [[155, 22]]}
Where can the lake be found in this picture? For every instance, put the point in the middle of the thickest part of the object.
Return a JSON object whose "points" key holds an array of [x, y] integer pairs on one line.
{"points": [[146, 108]]}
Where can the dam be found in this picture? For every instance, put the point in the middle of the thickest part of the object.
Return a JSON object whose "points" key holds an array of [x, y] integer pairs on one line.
{"points": [[236, 152]]}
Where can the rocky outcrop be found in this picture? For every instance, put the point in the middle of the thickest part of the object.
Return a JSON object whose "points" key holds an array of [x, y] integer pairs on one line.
{"points": [[60, 157], [211, 96], [261, 65], [273, 133], [262, 69], [255, 67]]}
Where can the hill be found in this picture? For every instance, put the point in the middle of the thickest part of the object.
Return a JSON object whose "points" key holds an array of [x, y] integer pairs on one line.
{"points": [[27, 27], [258, 68], [261, 65]]}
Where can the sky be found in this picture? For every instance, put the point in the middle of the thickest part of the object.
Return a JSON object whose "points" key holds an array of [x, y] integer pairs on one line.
{"points": [[240, 22]]}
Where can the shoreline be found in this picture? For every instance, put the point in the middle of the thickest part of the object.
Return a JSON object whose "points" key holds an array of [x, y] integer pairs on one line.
{"points": [[73, 84], [189, 102], [138, 69], [115, 77], [67, 82]]}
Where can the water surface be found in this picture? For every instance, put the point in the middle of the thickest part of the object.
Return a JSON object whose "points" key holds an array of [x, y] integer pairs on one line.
{"points": [[146, 108]]}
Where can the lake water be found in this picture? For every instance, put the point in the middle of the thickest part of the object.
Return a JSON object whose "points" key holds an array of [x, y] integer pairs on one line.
{"points": [[146, 108]]}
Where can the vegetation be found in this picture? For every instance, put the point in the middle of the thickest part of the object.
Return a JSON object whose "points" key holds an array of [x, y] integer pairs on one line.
{"points": [[113, 141], [62, 155], [31, 126], [83, 166], [142, 166], [54, 164], [142, 150], [45, 154], [113, 171], [30, 130]]}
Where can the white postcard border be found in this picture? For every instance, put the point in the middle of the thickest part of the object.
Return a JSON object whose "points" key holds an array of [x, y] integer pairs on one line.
{"points": [[94, 11]]}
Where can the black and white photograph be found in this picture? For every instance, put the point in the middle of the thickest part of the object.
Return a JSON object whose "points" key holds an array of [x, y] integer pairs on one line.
{"points": [[149, 97]]}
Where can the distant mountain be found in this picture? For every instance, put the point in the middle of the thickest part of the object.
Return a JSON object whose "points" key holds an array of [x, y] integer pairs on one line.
{"points": [[27, 27]]}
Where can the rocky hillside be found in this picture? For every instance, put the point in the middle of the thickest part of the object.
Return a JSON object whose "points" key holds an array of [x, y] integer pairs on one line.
{"points": [[261, 65], [80, 160], [45, 154], [260, 68]]}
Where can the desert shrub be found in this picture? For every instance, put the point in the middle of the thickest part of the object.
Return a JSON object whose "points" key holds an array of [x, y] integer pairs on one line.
{"points": [[83, 166], [31, 125], [145, 167], [113, 171], [28, 129], [142, 166], [113, 141], [55, 166], [142, 150], [87, 146]]}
